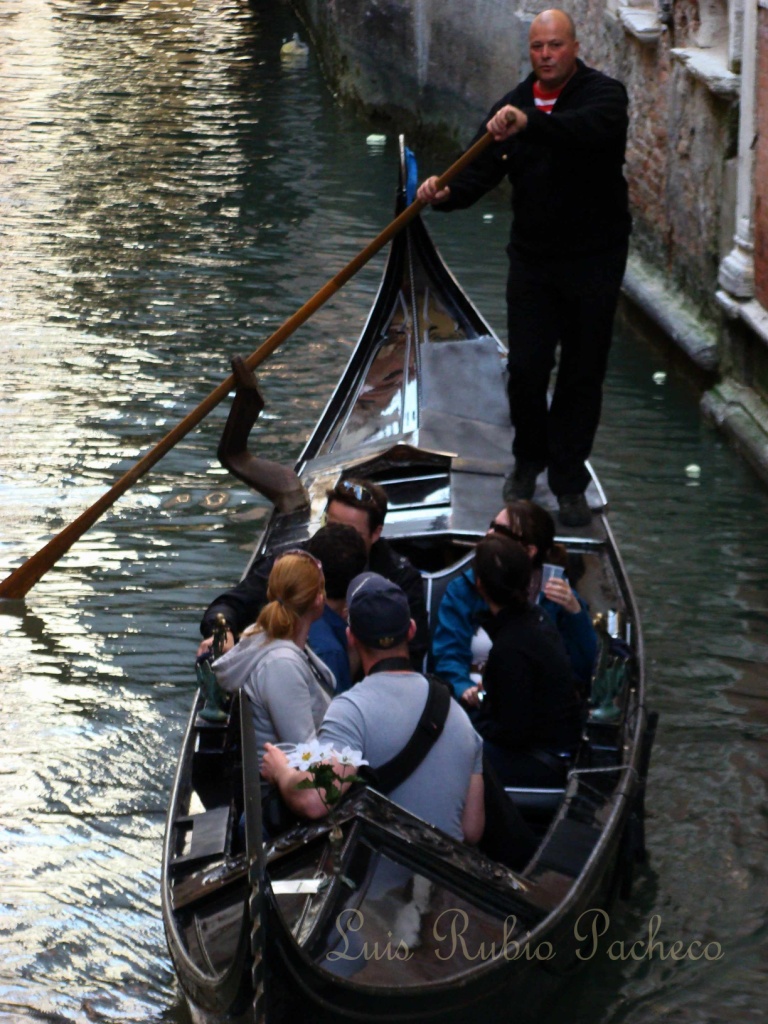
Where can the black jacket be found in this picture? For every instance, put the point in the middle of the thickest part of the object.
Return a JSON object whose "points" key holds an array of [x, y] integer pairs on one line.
{"points": [[530, 690], [569, 195], [241, 605]]}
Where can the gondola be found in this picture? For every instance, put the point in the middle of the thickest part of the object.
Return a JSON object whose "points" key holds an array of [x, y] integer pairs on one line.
{"points": [[398, 922]]}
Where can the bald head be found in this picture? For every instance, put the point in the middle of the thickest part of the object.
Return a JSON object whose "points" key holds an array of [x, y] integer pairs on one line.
{"points": [[553, 48], [555, 19]]}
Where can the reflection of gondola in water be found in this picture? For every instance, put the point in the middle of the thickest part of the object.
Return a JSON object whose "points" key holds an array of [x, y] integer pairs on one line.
{"points": [[425, 928]]}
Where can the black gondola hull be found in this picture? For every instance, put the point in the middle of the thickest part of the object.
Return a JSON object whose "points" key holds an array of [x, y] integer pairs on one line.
{"points": [[405, 924]]}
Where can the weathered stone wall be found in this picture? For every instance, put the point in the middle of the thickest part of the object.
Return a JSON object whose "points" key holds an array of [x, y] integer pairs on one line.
{"points": [[437, 64], [681, 139], [681, 229], [761, 167]]}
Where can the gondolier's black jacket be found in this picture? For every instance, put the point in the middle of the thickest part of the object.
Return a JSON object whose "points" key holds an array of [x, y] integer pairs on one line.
{"points": [[241, 605], [569, 195]]}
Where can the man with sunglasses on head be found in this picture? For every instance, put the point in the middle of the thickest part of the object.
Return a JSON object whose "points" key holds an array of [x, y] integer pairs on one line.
{"points": [[362, 505]]}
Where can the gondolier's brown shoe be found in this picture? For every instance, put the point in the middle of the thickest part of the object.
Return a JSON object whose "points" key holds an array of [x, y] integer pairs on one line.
{"points": [[574, 510], [521, 483]]}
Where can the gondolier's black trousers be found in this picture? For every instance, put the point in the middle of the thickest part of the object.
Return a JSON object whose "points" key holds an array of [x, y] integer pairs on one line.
{"points": [[570, 302]]}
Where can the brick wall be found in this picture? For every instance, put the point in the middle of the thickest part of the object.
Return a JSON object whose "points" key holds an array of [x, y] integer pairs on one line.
{"points": [[682, 137]]}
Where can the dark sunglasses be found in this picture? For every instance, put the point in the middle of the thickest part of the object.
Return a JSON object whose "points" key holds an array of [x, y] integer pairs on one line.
{"points": [[357, 491], [504, 531]]}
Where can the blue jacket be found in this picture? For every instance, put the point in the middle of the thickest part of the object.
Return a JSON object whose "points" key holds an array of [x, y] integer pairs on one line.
{"points": [[460, 613], [328, 640]]}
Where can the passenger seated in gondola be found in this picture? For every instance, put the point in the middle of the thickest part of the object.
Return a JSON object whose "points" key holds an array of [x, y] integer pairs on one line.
{"points": [[289, 688], [531, 713], [357, 503], [460, 645], [341, 552], [380, 715]]}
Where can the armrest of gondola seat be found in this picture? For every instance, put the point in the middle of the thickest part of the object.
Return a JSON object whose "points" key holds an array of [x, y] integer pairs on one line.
{"points": [[536, 801]]}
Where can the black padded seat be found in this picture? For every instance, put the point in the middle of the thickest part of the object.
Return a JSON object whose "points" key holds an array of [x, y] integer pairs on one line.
{"points": [[210, 836]]}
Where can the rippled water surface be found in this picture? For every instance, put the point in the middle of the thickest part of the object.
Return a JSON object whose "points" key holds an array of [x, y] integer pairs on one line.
{"points": [[170, 192]]}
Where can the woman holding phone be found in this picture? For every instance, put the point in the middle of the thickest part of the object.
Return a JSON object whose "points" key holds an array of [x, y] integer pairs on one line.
{"points": [[531, 715], [457, 646]]}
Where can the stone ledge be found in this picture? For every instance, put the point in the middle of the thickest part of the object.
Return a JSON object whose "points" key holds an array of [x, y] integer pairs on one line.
{"points": [[756, 317], [663, 307], [709, 67], [750, 311], [742, 416], [640, 23]]}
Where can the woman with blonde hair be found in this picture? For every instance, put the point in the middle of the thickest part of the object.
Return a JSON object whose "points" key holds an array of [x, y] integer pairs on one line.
{"points": [[289, 687]]}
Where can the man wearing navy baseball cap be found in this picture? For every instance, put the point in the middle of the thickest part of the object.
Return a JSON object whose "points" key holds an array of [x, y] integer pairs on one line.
{"points": [[379, 613], [380, 715]]}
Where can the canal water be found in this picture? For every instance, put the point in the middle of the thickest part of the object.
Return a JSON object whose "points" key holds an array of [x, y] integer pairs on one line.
{"points": [[170, 191]]}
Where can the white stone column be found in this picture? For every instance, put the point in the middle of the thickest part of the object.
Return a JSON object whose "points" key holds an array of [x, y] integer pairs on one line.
{"points": [[737, 272], [736, 32]]}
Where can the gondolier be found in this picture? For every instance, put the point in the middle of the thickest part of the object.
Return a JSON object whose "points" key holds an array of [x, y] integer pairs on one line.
{"points": [[560, 140]]}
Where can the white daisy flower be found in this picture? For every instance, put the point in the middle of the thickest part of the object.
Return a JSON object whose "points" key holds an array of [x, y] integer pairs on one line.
{"points": [[308, 754], [348, 756]]}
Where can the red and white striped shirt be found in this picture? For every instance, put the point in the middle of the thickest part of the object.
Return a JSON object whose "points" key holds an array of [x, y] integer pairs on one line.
{"points": [[544, 99]]}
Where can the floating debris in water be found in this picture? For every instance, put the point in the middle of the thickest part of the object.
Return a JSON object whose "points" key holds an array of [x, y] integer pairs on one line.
{"points": [[294, 47], [376, 140], [693, 471], [488, 216], [659, 377]]}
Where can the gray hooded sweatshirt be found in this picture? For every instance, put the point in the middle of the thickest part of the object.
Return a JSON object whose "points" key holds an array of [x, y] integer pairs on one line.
{"points": [[289, 689]]}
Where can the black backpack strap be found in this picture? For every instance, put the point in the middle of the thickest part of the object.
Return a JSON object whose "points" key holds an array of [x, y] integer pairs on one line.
{"points": [[390, 775]]}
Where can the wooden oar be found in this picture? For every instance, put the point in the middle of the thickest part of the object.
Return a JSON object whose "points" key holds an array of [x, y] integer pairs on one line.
{"points": [[22, 579]]}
